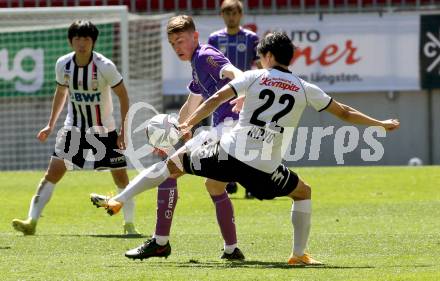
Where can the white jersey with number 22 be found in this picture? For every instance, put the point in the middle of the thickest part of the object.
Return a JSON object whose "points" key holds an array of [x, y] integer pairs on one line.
{"points": [[275, 101]]}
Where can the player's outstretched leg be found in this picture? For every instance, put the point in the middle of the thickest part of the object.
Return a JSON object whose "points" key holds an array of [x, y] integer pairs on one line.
{"points": [[101, 201], [148, 250], [301, 220], [147, 179]]}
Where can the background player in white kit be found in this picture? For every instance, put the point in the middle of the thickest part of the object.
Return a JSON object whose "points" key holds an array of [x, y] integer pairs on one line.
{"points": [[275, 100], [85, 78]]}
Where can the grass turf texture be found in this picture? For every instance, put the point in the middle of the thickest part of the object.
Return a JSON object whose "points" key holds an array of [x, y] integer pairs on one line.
{"points": [[369, 223]]}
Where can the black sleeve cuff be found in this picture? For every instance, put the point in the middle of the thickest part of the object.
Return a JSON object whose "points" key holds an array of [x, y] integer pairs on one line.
{"points": [[331, 99], [232, 87], [117, 84]]}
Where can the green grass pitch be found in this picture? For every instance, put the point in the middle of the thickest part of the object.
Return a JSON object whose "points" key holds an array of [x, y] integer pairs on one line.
{"points": [[369, 223]]}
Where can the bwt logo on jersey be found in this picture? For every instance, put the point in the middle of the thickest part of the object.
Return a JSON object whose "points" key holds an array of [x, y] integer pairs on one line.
{"points": [[84, 97], [30, 79]]}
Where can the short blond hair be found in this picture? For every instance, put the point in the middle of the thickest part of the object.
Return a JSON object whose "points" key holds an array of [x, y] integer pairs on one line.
{"points": [[181, 23], [229, 5]]}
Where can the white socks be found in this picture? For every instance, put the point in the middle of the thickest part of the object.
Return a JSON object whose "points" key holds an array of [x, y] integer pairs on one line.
{"points": [[40, 199], [301, 220], [128, 208], [229, 249], [147, 179], [161, 240]]}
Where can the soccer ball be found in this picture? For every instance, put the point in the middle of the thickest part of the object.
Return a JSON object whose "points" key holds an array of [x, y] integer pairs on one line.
{"points": [[415, 161], [162, 131]]}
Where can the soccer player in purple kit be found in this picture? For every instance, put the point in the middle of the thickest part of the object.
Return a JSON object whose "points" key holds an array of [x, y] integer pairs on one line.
{"points": [[211, 70], [235, 42], [238, 45]]}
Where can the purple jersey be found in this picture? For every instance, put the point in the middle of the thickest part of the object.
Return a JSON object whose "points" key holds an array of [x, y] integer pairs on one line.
{"points": [[207, 64], [239, 48]]}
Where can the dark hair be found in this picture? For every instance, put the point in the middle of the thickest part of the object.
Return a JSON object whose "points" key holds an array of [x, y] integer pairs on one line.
{"points": [[181, 23], [83, 28], [279, 44], [229, 5]]}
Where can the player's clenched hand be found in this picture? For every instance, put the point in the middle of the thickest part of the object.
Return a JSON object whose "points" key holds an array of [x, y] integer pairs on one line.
{"points": [[44, 133], [160, 152], [185, 131], [238, 104], [121, 141], [391, 124]]}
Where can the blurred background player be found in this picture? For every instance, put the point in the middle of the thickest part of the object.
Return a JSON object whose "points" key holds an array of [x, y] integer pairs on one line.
{"points": [[238, 45], [270, 109], [86, 78]]}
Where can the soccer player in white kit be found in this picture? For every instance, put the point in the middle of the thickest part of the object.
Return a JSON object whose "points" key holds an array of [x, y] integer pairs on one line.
{"points": [[239, 45], [251, 153], [86, 78]]}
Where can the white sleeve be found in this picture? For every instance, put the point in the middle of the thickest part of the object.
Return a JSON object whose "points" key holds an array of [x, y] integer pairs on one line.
{"points": [[59, 72], [241, 84], [316, 97], [110, 73], [225, 67]]}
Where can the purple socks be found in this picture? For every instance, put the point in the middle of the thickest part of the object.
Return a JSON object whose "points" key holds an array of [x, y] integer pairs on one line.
{"points": [[166, 202], [225, 217]]}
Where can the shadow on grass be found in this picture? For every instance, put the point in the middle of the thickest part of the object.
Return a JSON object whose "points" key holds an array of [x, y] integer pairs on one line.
{"points": [[261, 264], [255, 265], [124, 236], [265, 264], [257, 200]]}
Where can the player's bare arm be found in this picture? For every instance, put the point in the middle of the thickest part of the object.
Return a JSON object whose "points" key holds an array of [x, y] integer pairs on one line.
{"points": [[122, 94], [351, 115], [190, 105], [58, 102], [208, 107]]}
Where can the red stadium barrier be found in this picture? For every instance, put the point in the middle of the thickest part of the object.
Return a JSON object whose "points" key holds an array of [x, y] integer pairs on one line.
{"points": [[155, 5]]}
